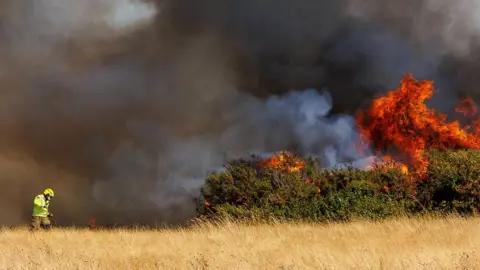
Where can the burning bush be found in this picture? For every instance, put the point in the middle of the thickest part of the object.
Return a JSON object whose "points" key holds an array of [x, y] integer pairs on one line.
{"points": [[253, 189], [435, 167], [247, 190], [400, 121]]}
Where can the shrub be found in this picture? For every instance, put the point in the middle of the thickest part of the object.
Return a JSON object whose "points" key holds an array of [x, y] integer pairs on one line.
{"points": [[246, 190], [452, 182]]}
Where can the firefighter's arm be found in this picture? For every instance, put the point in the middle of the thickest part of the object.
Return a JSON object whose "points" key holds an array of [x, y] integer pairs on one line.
{"points": [[39, 202]]}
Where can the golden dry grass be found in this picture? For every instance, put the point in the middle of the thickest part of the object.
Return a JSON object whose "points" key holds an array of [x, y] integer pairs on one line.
{"points": [[450, 243]]}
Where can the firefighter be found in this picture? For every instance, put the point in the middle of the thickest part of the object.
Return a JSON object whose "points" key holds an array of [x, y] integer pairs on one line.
{"points": [[40, 214]]}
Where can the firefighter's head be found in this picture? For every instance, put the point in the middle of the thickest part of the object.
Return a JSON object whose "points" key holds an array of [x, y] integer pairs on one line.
{"points": [[48, 193]]}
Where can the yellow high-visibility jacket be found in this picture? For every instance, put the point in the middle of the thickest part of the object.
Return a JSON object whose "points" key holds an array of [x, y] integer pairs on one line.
{"points": [[40, 206]]}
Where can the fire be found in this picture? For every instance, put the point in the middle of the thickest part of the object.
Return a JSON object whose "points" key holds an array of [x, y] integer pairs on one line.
{"points": [[401, 121], [207, 204], [387, 162], [284, 161], [467, 106]]}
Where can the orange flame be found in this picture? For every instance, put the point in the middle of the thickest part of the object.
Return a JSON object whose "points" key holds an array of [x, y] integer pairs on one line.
{"points": [[402, 121], [207, 204], [387, 162], [284, 161], [467, 106]]}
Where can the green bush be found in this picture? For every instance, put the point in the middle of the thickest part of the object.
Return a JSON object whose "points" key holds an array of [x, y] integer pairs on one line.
{"points": [[452, 182], [247, 190]]}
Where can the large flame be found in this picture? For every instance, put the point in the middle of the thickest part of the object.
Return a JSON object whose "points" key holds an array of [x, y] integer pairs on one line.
{"points": [[284, 161], [401, 120]]}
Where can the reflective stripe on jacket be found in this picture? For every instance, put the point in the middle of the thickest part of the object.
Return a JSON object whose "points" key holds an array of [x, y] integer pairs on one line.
{"points": [[40, 206]]}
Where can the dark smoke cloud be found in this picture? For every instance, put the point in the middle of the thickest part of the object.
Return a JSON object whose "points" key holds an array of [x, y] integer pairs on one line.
{"points": [[124, 122]]}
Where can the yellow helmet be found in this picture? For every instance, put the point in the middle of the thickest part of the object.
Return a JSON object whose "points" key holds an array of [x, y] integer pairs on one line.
{"points": [[49, 191]]}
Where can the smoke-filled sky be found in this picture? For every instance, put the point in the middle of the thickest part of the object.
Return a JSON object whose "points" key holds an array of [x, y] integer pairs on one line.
{"points": [[123, 107]]}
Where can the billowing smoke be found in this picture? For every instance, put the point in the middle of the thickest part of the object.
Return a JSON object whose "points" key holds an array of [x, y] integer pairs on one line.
{"points": [[123, 106]]}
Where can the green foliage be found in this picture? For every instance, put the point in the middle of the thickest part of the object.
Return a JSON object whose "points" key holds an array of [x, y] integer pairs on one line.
{"points": [[452, 183], [245, 190]]}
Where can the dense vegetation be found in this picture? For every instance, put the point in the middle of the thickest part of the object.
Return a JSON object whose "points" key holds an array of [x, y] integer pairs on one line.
{"points": [[247, 190]]}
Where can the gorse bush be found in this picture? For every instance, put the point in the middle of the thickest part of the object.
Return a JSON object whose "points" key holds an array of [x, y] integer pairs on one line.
{"points": [[248, 190], [452, 183]]}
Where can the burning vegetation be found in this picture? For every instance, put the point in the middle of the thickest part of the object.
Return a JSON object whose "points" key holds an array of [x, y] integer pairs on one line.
{"points": [[423, 164], [400, 122], [284, 161]]}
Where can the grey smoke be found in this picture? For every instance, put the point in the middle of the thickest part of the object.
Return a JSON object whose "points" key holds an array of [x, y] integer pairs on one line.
{"points": [[124, 109]]}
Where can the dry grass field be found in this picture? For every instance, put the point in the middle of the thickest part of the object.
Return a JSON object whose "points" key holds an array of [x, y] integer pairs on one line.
{"points": [[450, 243]]}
